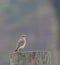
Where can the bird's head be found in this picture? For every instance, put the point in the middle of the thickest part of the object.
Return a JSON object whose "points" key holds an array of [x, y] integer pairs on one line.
{"points": [[23, 36]]}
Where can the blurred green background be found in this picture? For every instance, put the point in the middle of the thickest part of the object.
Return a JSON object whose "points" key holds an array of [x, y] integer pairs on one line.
{"points": [[38, 19]]}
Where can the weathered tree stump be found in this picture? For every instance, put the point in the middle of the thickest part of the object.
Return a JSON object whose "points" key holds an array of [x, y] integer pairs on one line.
{"points": [[30, 58]]}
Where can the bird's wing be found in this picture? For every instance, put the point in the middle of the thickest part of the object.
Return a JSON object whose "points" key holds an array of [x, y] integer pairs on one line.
{"points": [[20, 43]]}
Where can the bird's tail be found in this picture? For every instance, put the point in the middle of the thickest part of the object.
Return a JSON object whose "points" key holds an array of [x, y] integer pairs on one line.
{"points": [[16, 50]]}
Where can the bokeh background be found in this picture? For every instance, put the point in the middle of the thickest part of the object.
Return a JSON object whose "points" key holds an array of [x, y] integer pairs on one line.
{"points": [[38, 19]]}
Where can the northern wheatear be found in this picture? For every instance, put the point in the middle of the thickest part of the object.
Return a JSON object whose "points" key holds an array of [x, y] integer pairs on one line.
{"points": [[21, 43]]}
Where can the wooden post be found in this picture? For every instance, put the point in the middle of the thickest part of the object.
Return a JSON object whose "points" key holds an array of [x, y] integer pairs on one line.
{"points": [[30, 58]]}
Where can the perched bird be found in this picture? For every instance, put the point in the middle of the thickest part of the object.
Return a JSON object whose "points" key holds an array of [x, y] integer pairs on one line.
{"points": [[21, 43]]}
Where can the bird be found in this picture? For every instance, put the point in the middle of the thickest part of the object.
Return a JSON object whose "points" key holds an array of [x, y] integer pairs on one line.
{"points": [[21, 43]]}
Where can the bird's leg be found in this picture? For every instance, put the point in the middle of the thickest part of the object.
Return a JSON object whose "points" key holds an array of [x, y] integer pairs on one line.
{"points": [[19, 50]]}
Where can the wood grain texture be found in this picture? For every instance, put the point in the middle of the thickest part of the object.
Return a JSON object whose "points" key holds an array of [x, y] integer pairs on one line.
{"points": [[30, 58]]}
